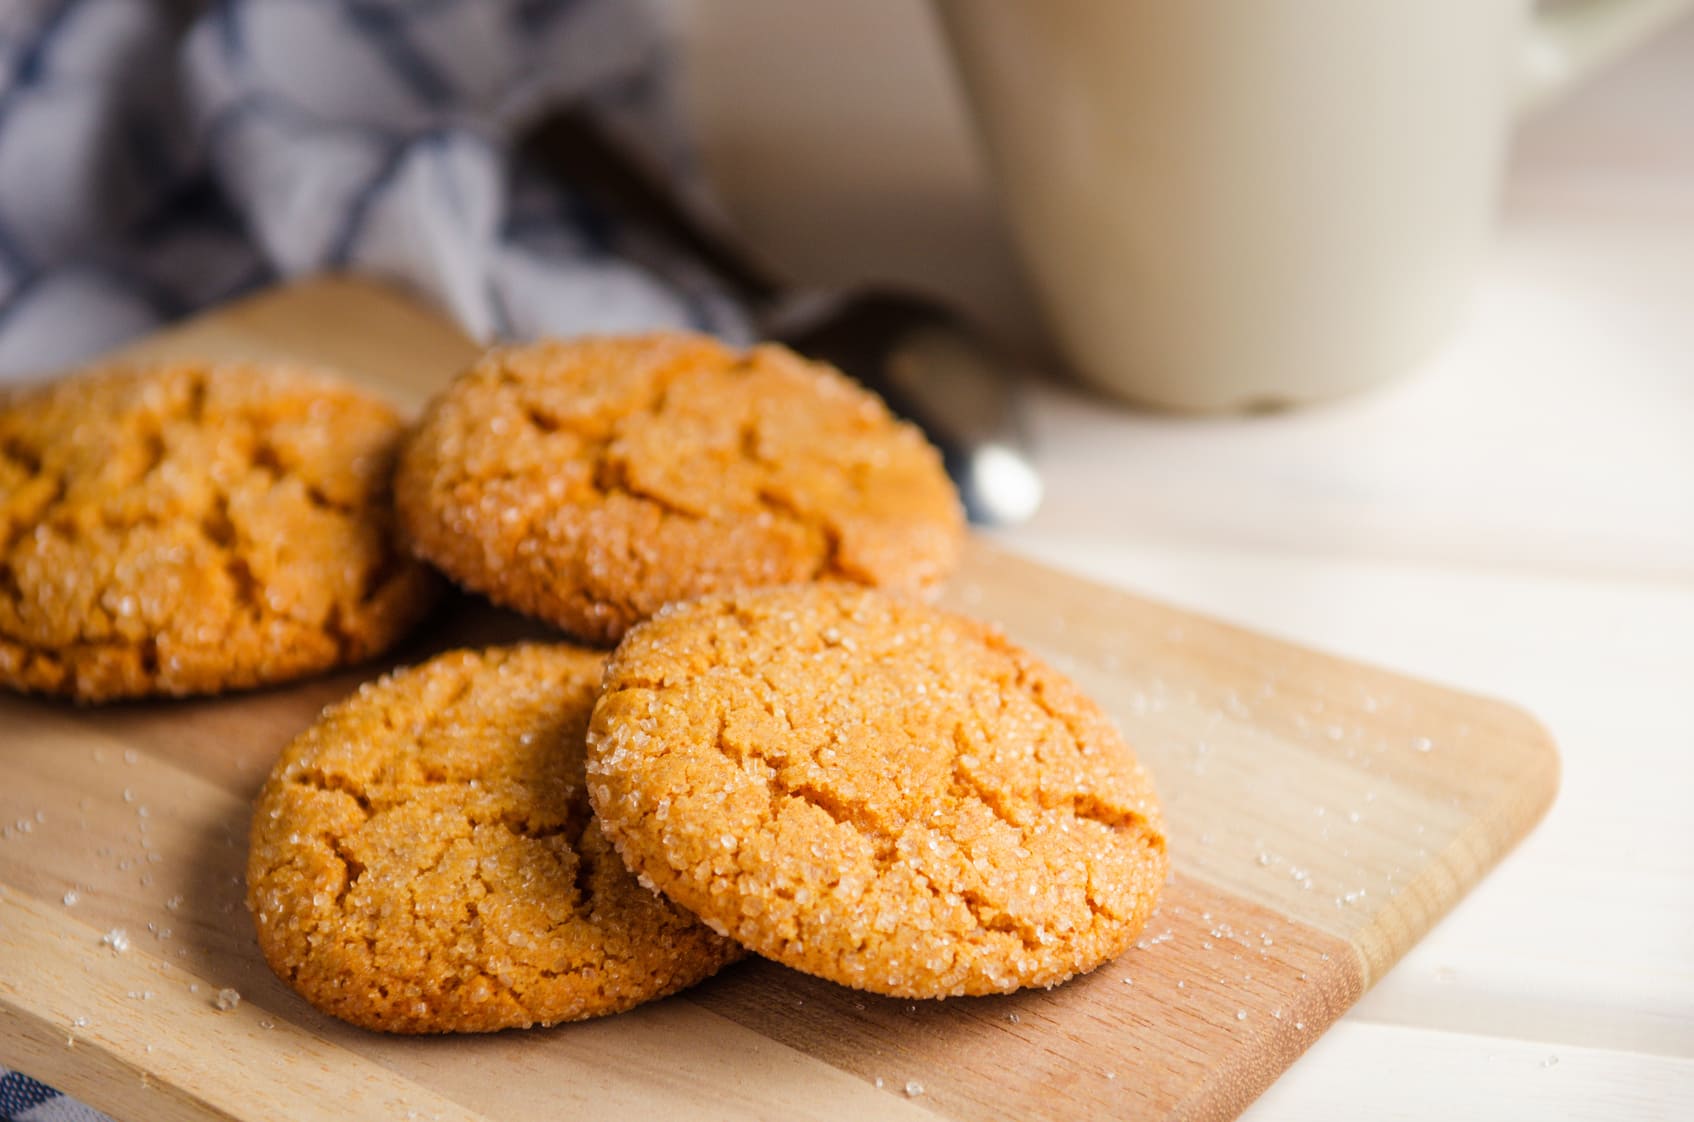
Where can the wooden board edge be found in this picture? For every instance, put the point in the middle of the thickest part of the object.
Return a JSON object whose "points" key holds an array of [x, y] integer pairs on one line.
{"points": [[1537, 739], [1485, 842]]}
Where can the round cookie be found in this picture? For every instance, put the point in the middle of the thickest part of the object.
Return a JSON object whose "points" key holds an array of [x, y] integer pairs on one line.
{"points": [[875, 792], [591, 482], [190, 528], [423, 858]]}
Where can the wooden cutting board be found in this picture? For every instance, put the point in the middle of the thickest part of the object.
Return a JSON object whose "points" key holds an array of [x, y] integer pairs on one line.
{"points": [[1324, 815]]}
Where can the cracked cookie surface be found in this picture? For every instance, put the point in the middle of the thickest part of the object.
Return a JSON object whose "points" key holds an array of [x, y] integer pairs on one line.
{"points": [[590, 482], [423, 858], [191, 528], [873, 791]]}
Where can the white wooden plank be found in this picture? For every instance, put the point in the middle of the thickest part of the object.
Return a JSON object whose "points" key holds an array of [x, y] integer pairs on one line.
{"points": [[1462, 1076]]}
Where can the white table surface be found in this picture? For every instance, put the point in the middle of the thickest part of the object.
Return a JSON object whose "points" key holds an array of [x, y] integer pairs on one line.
{"points": [[1515, 519]]}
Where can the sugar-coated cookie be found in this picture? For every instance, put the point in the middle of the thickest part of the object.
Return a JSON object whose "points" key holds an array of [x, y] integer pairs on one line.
{"points": [[590, 482], [189, 528], [873, 791], [423, 858]]}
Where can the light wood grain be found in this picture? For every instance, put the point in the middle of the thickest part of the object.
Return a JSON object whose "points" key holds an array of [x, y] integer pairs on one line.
{"points": [[73, 1020], [1324, 815]]}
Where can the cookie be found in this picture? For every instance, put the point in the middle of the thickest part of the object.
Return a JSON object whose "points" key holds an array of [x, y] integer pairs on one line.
{"points": [[875, 792], [591, 482], [423, 858], [190, 528]]}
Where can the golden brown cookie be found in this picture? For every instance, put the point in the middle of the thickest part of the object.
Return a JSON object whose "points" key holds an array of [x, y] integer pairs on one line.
{"points": [[423, 858], [591, 482], [190, 528], [875, 792]]}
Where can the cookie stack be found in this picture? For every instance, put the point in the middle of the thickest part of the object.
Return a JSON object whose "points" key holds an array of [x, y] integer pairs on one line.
{"points": [[788, 752]]}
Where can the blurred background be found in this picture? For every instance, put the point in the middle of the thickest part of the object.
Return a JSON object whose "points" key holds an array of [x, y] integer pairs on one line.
{"points": [[838, 139]]}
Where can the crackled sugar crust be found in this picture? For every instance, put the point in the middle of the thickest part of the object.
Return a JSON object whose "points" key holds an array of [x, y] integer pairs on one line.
{"points": [[591, 482], [189, 528], [873, 791], [423, 858]]}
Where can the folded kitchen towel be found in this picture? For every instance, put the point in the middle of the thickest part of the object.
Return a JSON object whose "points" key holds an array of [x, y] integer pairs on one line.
{"points": [[156, 157]]}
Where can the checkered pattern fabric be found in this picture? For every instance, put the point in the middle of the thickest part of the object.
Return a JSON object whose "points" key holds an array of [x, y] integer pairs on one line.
{"points": [[152, 163]]}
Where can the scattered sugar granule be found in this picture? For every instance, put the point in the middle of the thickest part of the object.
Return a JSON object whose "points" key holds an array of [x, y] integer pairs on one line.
{"points": [[913, 1089], [117, 939], [227, 999], [70, 898]]}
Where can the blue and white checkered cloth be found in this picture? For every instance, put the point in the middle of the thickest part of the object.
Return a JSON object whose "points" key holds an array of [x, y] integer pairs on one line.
{"points": [[22, 1099], [151, 163], [154, 160]]}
